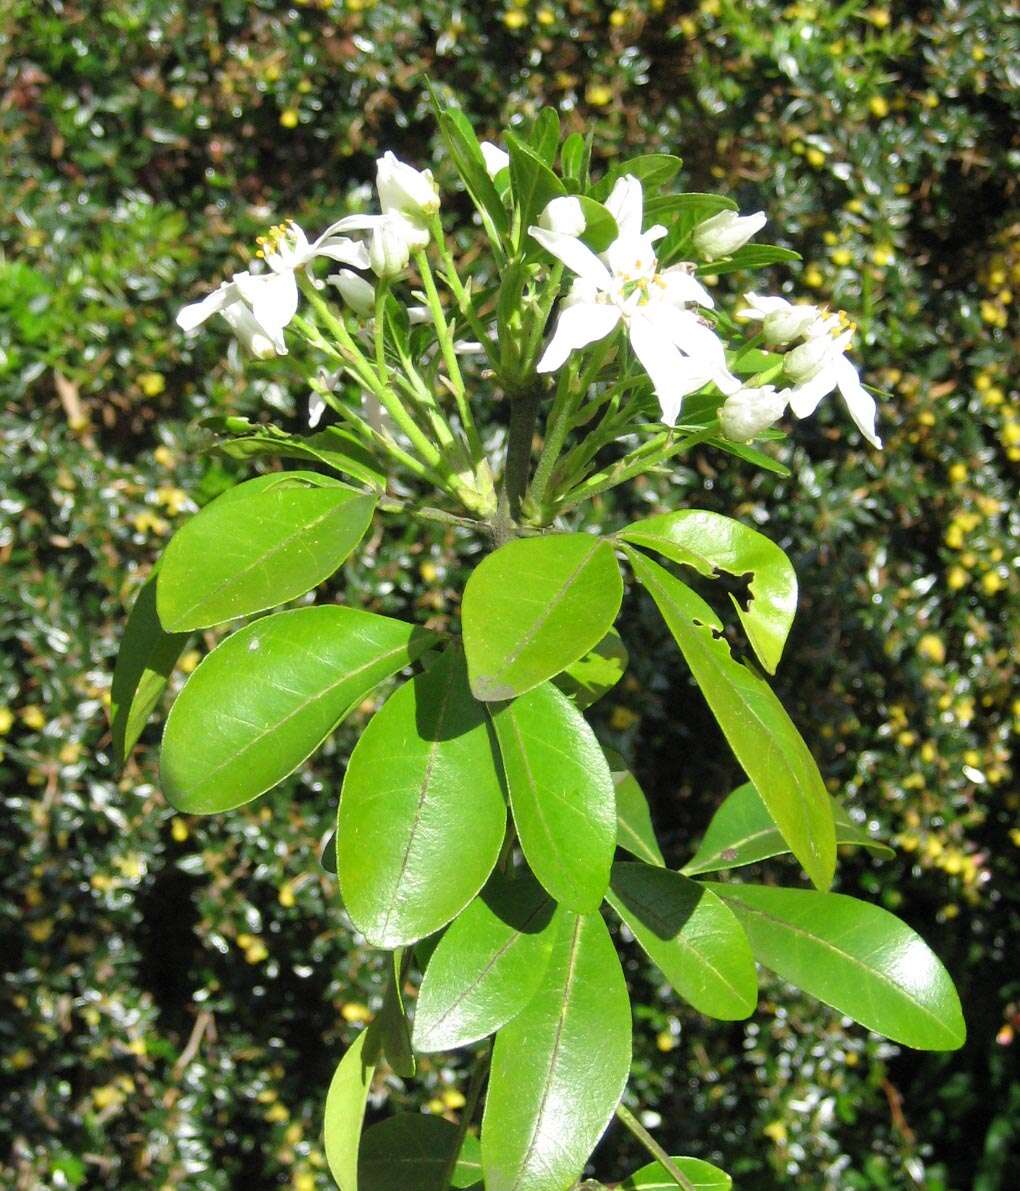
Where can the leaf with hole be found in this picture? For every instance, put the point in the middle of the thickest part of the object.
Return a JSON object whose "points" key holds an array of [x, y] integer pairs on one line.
{"points": [[487, 965], [536, 606], [856, 957], [559, 1067], [561, 795], [422, 815], [268, 696], [690, 936], [754, 722]]}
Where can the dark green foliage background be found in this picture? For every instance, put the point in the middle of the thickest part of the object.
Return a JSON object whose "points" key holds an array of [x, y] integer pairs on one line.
{"points": [[146, 143]]}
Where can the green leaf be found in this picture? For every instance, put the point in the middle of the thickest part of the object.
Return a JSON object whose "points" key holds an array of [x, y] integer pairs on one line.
{"points": [[560, 1067], [754, 722], [600, 228], [682, 213], [394, 1033], [742, 832], [653, 171], [334, 446], [422, 815], [466, 155], [561, 795], [536, 606], [345, 1109], [856, 957], [751, 256], [268, 696], [691, 937], [487, 965], [545, 135], [574, 157], [533, 184], [145, 661], [710, 542], [592, 676], [243, 556], [634, 830], [414, 1152], [702, 1175], [752, 455]]}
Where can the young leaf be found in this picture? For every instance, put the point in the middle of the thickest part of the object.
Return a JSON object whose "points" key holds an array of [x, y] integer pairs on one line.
{"points": [[742, 832], [690, 935], [422, 815], [394, 1034], [710, 542], [145, 661], [653, 171], [545, 135], [754, 722], [533, 184], [634, 830], [595, 674], [856, 957], [244, 556], [560, 1067], [702, 1176], [269, 695], [487, 965], [345, 1108], [751, 256], [534, 607], [561, 795], [574, 157], [414, 1152], [466, 154]]}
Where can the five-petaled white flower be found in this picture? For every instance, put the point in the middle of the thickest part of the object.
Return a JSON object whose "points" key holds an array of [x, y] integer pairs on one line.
{"points": [[818, 364], [623, 285]]}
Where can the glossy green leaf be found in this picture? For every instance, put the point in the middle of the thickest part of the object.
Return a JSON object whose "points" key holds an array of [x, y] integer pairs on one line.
{"points": [[653, 171], [422, 815], [742, 832], [345, 1109], [591, 677], [414, 1152], [754, 722], [574, 157], [856, 957], [145, 661], [534, 186], [681, 213], [487, 965], [394, 1032], [544, 138], [690, 936], [561, 794], [269, 695], [466, 155], [751, 256], [245, 556], [600, 228], [634, 830], [710, 542], [560, 1067], [703, 1176], [534, 607]]}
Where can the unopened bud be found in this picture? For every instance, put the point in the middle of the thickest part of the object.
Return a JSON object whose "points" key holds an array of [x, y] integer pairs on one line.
{"points": [[563, 215], [355, 291], [724, 233], [747, 412], [403, 188]]}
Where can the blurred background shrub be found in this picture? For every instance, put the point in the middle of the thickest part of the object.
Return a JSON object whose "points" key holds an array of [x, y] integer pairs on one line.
{"points": [[177, 991]]}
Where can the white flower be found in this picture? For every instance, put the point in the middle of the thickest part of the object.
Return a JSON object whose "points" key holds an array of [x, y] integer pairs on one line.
{"points": [[285, 248], [403, 188], [679, 352], [496, 159], [563, 215], [256, 308], [316, 408], [782, 321], [747, 412], [390, 247], [726, 232], [358, 293]]}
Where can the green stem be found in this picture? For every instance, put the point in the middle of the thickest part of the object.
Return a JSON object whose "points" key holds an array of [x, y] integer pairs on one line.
{"points": [[449, 356], [391, 504], [479, 1072], [464, 303], [523, 413], [652, 1146]]}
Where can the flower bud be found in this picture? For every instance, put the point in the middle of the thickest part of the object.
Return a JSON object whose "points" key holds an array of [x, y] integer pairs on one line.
{"points": [[563, 215], [403, 188], [747, 412], [496, 159], [805, 362], [726, 232], [784, 326], [355, 291], [389, 250]]}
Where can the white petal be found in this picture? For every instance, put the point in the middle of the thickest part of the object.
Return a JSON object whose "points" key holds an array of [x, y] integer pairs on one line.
{"points": [[316, 408], [859, 401], [626, 205], [576, 256], [576, 327], [342, 249], [668, 368], [194, 315], [273, 299], [760, 305], [804, 399], [495, 158], [683, 287]]}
